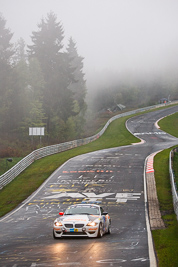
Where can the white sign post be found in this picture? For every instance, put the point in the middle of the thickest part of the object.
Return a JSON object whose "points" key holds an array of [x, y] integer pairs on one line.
{"points": [[36, 131]]}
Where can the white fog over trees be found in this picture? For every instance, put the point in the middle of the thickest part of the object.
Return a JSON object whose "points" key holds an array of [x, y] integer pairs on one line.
{"points": [[46, 81], [42, 85]]}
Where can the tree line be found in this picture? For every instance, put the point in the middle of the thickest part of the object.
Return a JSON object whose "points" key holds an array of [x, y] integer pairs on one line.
{"points": [[133, 90], [41, 84]]}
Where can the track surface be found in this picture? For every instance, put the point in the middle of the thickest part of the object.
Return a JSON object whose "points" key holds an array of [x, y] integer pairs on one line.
{"points": [[113, 176]]}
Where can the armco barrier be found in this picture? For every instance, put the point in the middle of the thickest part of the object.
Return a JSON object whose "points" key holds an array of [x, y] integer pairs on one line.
{"points": [[173, 185], [49, 150]]}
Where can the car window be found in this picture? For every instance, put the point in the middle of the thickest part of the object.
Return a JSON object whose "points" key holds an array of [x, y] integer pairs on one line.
{"points": [[82, 210]]}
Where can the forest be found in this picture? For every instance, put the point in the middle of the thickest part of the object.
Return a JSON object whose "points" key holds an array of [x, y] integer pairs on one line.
{"points": [[43, 85]]}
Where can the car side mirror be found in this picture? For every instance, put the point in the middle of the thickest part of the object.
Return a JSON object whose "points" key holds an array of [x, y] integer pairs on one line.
{"points": [[61, 213], [105, 213]]}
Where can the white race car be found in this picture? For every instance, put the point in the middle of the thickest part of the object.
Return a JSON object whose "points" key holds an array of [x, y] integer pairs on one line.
{"points": [[82, 220]]}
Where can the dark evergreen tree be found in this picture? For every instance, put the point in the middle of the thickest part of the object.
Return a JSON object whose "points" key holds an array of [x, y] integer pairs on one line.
{"points": [[19, 95], [6, 48], [35, 116], [47, 45], [6, 53], [26, 93], [20, 51], [78, 85]]}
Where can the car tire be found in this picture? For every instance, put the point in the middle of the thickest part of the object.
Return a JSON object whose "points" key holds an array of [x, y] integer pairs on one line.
{"points": [[109, 229], [54, 235], [100, 231]]}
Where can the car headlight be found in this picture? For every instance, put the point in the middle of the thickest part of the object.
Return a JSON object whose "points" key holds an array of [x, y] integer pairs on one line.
{"points": [[58, 224], [92, 223]]}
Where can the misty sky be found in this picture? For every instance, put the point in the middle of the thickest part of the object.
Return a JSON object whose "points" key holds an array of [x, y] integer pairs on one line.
{"points": [[110, 34]]}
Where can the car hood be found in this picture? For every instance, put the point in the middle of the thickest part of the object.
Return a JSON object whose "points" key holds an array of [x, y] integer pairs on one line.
{"points": [[78, 218]]}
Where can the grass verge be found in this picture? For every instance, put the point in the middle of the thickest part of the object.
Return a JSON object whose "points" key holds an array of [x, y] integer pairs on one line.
{"points": [[175, 168], [5, 165], [166, 240], [170, 124]]}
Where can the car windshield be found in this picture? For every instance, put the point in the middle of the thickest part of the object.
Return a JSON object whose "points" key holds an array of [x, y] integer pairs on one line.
{"points": [[89, 210]]}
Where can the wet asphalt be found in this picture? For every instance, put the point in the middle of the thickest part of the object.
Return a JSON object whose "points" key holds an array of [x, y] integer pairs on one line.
{"points": [[115, 177]]}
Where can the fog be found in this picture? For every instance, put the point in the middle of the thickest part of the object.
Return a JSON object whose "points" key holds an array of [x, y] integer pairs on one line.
{"points": [[113, 36]]}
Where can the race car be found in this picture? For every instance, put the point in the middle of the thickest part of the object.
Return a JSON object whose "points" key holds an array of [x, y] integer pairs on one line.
{"points": [[82, 220]]}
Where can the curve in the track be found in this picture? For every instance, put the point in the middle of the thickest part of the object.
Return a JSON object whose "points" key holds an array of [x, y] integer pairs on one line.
{"points": [[112, 176]]}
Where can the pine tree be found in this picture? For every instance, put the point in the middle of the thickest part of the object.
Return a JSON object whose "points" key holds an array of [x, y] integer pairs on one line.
{"points": [[20, 52], [78, 85], [6, 53], [36, 115], [6, 48], [47, 45]]}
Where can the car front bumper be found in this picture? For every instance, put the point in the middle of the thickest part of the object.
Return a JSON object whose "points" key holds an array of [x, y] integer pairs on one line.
{"points": [[75, 232]]}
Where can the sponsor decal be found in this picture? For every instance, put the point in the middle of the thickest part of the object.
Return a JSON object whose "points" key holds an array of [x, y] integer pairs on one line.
{"points": [[73, 230]]}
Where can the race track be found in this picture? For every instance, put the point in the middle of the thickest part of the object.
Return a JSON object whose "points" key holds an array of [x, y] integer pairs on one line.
{"points": [[113, 176]]}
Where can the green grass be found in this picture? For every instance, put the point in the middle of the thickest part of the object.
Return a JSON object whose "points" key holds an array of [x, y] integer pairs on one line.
{"points": [[166, 240], [6, 165], [170, 124], [175, 168]]}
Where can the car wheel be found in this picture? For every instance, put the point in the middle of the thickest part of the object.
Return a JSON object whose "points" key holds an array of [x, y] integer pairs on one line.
{"points": [[54, 235], [109, 229], [100, 231]]}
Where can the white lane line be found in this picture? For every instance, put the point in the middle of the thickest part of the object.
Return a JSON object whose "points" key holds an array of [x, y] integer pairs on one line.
{"points": [[149, 133], [111, 261], [156, 123]]}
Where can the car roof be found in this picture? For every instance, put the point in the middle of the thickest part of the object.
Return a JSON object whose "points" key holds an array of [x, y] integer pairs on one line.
{"points": [[85, 205]]}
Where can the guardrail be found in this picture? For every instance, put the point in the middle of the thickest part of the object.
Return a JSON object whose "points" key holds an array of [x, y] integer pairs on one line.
{"points": [[173, 184], [8, 176]]}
